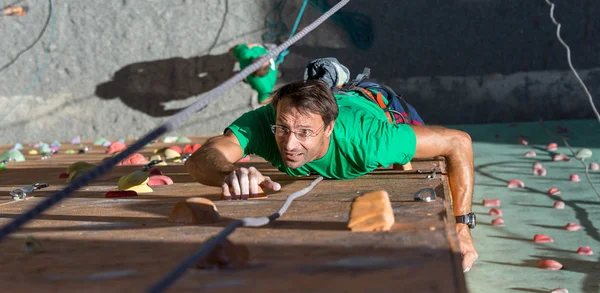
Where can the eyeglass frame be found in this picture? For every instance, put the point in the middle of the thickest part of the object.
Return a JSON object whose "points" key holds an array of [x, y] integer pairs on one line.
{"points": [[296, 133]]}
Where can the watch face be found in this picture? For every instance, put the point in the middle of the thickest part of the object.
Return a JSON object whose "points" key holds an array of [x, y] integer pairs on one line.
{"points": [[472, 220]]}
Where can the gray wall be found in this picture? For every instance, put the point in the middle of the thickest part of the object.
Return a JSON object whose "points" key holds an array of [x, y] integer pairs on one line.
{"points": [[119, 68]]}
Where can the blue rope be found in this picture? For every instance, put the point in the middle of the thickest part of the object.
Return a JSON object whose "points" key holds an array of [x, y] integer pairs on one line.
{"points": [[44, 65], [298, 18]]}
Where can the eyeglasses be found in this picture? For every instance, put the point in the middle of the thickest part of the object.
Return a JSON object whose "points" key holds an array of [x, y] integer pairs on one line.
{"points": [[302, 134]]}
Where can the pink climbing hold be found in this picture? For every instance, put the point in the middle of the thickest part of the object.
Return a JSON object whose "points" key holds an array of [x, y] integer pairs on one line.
{"points": [[549, 264], [515, 184], [498, 222], [246, 159], [495, 212], [572, 227], [115, 147], [76, 140], [158, 180], [154, 171], [537, 165], [491, 203], [530, 154], [552, 146], [135, 159], [542, 238], [523, 142], [540, 172], [574, 178], [559, 290], [594, 166], [560, 157], [585, 250], [559, 205], [553, 191]]}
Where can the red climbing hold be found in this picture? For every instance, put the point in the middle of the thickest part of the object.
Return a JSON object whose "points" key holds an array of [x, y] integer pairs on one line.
{"points": [[246, 159], [188, 149], [124, 193], [491, 202], [523, 142], [574, 178], [559, 205], [497, 222], [154, 171], [530, 154], [116, 147], [175, 148], [572, 227], [495, 212], [540, 172], [542, 238], [553, 191], [560, 157], [158, 180], [594, 166], [515, 184], [585, 250], [549, 264], [63, 175], [135, 159], [552, 146]]}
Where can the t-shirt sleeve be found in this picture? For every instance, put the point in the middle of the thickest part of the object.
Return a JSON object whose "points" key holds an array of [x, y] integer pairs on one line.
{"points": [[387, 144], [253, 131], [242, 52]]}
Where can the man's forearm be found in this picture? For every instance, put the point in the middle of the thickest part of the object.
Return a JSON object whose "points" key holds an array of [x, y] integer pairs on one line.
{"points": [[209, 166], [461, 177]]}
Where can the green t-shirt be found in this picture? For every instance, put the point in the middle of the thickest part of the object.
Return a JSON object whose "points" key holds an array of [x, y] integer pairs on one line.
{"points": [[263, 84], [362, 140]]}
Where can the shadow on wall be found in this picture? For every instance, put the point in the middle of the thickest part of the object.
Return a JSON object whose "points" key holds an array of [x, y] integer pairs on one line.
{"points": [[146, 86]]}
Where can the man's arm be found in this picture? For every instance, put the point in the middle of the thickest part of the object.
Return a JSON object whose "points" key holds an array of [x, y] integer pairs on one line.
{"points": [[457, 148], [214, 160]]}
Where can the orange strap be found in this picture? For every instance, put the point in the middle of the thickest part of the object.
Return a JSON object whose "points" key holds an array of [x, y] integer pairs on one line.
{"points": [[377, 100]]}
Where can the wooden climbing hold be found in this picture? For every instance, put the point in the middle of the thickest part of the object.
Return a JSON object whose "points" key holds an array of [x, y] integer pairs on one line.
{"points": [[572, 227], [530, 154], [498, 222], [491, 203], [515, 184], [559, 205], [120, 193], [158, 180], [553, 191], [226, 255], [542, 238], [586, 250], [549, 264], [371, 211], [496, 212], [552, 146], [574, 178], [261, 195], [195, 210]]}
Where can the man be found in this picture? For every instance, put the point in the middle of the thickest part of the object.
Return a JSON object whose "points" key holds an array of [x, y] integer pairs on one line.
{"points": [[262, 80], [306, 129]]}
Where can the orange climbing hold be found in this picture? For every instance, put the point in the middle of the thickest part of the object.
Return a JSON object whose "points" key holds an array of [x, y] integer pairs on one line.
{"points": [[542, 238], [496, 212], [14, 11], [553, 191], [491, 203], [586, 250], [549, 264]]}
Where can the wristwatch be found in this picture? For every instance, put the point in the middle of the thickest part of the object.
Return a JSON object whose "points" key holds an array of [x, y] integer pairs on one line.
{"points": [[468, 219]]}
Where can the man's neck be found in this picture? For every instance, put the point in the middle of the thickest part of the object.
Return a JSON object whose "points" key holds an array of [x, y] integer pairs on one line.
{"points": [[324, 149]]}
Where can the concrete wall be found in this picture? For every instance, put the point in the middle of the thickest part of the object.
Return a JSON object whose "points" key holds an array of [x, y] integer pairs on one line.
{"points": [[119, 68]]}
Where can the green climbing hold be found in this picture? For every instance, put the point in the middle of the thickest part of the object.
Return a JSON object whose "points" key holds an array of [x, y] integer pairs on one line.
{"points": [[13, 155], [583, 154], [183, 139], [100, 141], [169, 139], [70, 152]]}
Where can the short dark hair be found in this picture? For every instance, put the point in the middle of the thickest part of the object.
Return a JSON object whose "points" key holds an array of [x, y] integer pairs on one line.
{"points": [[310, 96]]}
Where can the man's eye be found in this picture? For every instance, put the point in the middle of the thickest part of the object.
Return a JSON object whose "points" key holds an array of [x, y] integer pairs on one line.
{"points": [[305, 132]]}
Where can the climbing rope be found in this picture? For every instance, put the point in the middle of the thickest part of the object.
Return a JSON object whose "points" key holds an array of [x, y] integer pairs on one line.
{"points": [[298, 18], [210, 244], [173, 122]]}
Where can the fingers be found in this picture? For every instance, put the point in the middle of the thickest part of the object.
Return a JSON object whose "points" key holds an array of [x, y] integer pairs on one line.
{"points": [[244, 183], [268, 183], [235, 185], [226, 194], [468, 259]]}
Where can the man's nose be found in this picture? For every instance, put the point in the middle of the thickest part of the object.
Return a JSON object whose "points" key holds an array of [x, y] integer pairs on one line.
{"points": [[291, 142]]}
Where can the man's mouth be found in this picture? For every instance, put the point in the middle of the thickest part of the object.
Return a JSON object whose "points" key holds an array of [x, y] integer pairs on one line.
{"points": [[293, 156]]}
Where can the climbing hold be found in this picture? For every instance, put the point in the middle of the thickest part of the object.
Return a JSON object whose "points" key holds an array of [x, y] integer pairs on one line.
{"points": [[261, 195], [542, 238], [552, 146], [54, 149], [175, 148], [226, 255], [549, 264], [195, 210], [106, 144], [496, 212], [498, 222], [76, 174], [170, 139], [537, 165], [559, 290], [189, 149], [154, 171], [17, 146], [594, 166], [121, 193], [76, 140], [100, 141], [583, 154], [585, 250], [245, 159], [515, 184], [371, 211], [171, 154], [13, 155], [559, 205], [572, 227], [116, 147], [560, 157], [80, 165], [135, 159], [574, 178], [55, 144], [183, 139], [523, 142], [553, 191], [136, 181], [157, 180], [63, 175], [491, 202], [45, 149], [539, 172], [32, 152], [121, 140], [70, 152], [530, 154], [158, 158]]}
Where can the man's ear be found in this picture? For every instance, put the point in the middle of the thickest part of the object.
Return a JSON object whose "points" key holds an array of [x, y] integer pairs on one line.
{"points": [[329, 128]]}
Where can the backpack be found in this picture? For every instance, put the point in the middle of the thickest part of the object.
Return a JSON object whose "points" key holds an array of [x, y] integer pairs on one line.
{"points": [[397, 110]]}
